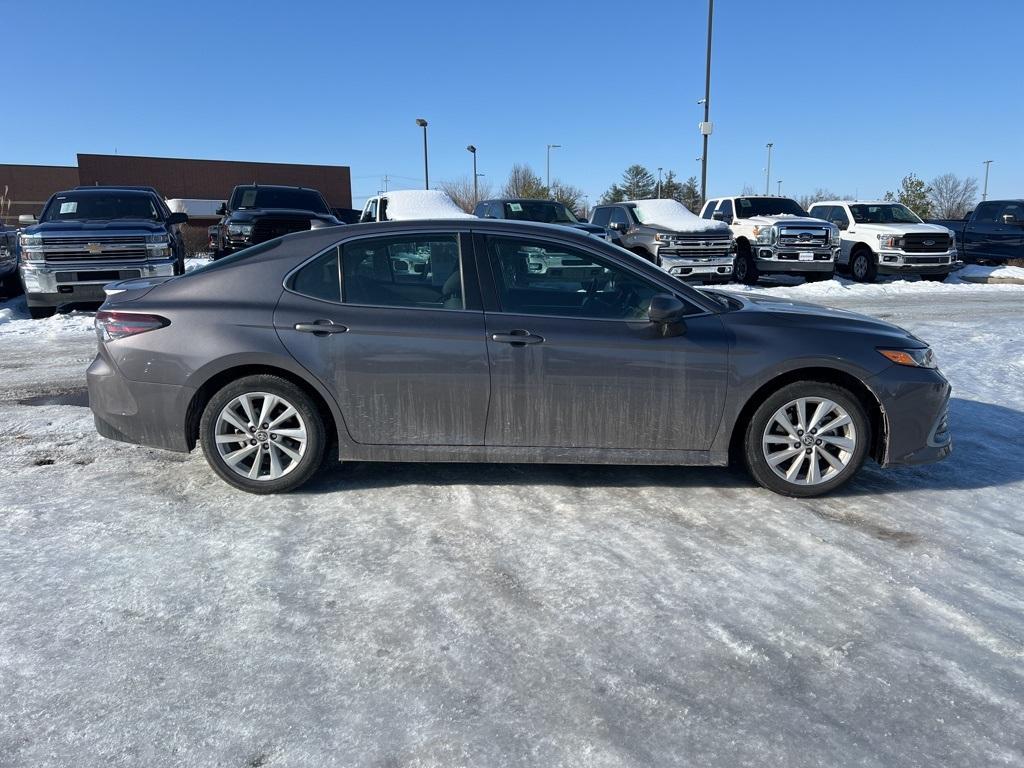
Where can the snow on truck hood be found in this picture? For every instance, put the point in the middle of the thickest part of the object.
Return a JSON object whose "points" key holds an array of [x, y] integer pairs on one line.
{"points": [[673, 215], [787, 218], [903, 229], [411, 204]]}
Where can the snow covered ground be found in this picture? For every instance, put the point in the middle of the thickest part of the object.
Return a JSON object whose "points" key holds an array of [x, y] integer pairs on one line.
{"points": [[442, 615]]}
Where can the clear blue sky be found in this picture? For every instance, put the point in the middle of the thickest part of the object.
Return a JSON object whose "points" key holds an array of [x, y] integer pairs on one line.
{"points": [[854, 94]]}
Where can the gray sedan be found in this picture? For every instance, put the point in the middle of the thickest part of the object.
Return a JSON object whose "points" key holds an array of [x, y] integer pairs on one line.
{"points": [[500, 341]]}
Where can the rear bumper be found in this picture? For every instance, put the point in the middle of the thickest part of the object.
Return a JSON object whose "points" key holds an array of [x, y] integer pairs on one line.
{"points": [[915, 403], [138, 412]]}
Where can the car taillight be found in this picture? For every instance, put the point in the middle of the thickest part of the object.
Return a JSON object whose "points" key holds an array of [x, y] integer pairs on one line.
{"points": [[119, 325]]}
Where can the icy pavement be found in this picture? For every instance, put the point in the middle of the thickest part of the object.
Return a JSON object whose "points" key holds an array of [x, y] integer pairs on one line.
{"points": [[471, 615]]}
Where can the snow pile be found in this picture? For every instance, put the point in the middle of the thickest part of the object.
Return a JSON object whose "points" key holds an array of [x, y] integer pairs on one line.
{"points": [[979, 273], [196, 262], [840, 287], [15, 321], [673, 215], [409, 204]]}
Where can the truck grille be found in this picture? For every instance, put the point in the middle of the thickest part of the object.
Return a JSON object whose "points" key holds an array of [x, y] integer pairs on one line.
{"points": [[804, 237], [120, 247], [268, 229], [697, 248], [925, 243], [926, 260]]}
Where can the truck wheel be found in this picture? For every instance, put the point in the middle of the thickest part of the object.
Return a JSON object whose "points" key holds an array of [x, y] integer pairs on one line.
{"points": [[936, 278], [38, 313], [744, 268], [863, 268], [818, 277]]}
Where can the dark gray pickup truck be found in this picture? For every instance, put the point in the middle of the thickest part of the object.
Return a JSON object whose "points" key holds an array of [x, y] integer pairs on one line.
{"points": [[991, 233]]}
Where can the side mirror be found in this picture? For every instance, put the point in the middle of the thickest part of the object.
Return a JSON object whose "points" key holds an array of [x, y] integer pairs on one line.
{"points": [[666, 308], [843, 225], [618, 226], [718, 215], [27, 218], [177, 218], [223, 210]]}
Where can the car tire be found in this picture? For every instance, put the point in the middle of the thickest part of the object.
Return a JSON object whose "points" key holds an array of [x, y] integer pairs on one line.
{"points": [[40, 313], [744, 269], [792, 461], [863, 267], [262, 459], [818, 277], [936, 278]]}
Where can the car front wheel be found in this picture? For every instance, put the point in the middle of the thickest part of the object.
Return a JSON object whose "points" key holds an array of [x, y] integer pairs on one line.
{"points": [[862, 266], [807, 439], [262, 434]]}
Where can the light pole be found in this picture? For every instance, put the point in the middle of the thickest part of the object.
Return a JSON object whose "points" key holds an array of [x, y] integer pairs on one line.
{"points": [[705, 127], [768, 170], [779, 182], [426, 168], [550, 147], [659, 183], [476, 194], [984, 193]]}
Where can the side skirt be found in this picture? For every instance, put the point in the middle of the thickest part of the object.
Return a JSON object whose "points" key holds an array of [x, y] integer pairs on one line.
{"points": [[530, 455]]}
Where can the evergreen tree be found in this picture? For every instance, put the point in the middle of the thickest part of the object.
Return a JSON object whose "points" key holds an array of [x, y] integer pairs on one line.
{"points": [[914, 194], [637, 184]]}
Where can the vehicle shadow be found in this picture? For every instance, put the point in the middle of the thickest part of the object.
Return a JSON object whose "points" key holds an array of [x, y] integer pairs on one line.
{"points": [[986, 453]]}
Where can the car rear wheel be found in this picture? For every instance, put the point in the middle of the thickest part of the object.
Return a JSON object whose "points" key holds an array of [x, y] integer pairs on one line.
{"points": [[744, 268], [262, 434], [807, 439], [38, 313], [863, 267]]}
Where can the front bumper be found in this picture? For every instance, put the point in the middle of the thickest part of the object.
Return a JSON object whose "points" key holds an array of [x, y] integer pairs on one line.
{"points": [[137, 412], [693, 269], [899, 262], [915, 404], [51, 285], [771, 258]]}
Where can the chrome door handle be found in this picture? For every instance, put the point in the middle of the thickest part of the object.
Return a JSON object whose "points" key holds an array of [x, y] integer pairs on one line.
{"points": [[517, 338], [321, 327]]}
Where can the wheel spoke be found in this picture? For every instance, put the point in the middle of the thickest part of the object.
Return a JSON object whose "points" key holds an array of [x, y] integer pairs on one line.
{"points": [[778, 440], [782, 419], [835, 461], [233, 420], [801, 414], [286, 414], [836, 423], [275, 462], [294, 455], [236, 456], [247, 407], [813, 472], [254, 470], [232, 438], [269, 401], [794, 468], [824, 409], [295, 434], [843, 443], [774, 459]]}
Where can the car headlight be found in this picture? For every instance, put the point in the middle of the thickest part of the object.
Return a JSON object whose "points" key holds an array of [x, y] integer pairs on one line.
{"points": [[240, 229], [663, 238], [31, 241], [158, 239], [836, 235], [766, 235], [890, 241], [914, 357]]}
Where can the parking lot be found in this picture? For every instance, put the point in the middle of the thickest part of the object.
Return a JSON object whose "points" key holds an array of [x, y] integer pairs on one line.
{"points": [[472, 614]]}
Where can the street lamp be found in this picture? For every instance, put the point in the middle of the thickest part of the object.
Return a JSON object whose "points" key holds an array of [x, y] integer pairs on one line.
{"points": [[659, 183], [984, 193], [705, 127], [768, 170], [476, 194], [779, 182], [550, 147], [426, 169]]}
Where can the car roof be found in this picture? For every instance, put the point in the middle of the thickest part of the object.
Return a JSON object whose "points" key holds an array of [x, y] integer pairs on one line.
{"points": [[520, 200], [102, 190], [274, 186]]}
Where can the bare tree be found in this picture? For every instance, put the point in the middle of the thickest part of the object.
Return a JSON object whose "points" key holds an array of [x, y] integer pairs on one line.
{"points": [[568, 195], [952, 197], [461, 191], [819, 194], [748, 190], [523, 182]]}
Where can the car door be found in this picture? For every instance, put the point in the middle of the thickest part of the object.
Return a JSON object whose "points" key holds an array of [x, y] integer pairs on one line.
{"points": [[988, 236], [385, 323], [575, 363]]}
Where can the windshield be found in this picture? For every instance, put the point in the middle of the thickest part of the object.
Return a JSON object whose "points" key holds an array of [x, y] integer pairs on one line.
{"points": [[767, 206], [274, 197], [544, 211], [106, 206], [883, 213]]}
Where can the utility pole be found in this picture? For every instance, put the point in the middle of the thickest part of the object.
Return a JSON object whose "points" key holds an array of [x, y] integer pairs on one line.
{"points": [[705, 127], [768, 170], [659, 183], [426, 168], [385, 181], [984, 194], [548, 181]]}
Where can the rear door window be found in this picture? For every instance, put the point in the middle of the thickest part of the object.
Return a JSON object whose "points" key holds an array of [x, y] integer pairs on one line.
{"points": [[320, 278], [416, 271]]}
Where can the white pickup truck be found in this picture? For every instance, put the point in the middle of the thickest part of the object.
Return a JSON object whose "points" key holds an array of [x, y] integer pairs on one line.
{"points": [[881, 237], [412, 204], [776, 235]]}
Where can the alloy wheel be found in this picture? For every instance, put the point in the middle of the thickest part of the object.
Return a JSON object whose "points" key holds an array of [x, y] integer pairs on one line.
{"points": [[260, 436], [809, 441]]}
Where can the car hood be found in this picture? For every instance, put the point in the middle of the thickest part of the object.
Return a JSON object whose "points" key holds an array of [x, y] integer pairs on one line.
{"points": [[902, 229], [799, 221], [101, 226], [782, 312]]}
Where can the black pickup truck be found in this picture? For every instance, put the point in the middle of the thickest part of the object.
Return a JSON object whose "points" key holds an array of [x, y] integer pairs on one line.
{"points": [[991, 233], [256, 213], [543, 211]]}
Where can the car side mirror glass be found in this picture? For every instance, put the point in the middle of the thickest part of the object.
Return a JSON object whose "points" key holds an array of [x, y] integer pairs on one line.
{"points": [[618, 226], [223, 210], [27, 218], [177, 217], [842, 225], [666, 308], [718, 215]]}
